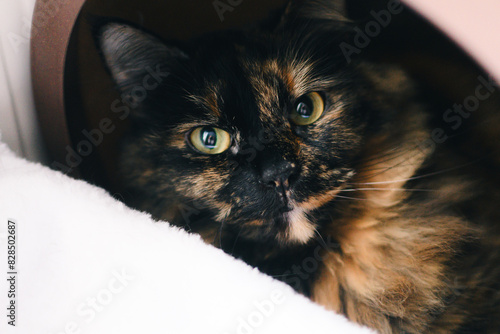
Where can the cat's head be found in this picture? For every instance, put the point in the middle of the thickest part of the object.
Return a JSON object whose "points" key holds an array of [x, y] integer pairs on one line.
{"points": [[257, 130]]}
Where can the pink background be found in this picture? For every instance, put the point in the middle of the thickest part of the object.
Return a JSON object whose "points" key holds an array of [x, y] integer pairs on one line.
{"points": [[473, 24]]}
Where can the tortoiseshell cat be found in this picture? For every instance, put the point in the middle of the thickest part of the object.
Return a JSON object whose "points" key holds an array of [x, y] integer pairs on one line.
{"points": [[323, 173]]}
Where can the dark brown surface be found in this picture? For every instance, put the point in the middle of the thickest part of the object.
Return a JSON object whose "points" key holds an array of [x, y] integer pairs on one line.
{"points": [[48, 55]]}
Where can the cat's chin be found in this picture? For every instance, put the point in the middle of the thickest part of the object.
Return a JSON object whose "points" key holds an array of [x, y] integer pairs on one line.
{"points": [[298, 229]]}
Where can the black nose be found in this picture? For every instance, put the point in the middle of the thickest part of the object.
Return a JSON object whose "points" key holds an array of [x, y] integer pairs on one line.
{"points": [[279, 174]]}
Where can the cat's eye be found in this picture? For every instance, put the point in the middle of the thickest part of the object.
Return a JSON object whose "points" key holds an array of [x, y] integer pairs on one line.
{"points": [[210, 140], [308, 109]]}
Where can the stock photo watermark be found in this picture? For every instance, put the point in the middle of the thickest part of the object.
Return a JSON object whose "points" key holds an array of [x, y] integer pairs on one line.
{"points": [[263, 309], [372, 29], [454, 117], [89, 309], [309, 265], [223, 6], [122, 107], [12, 272], [266, 308], [248, 151], [31, 28]]}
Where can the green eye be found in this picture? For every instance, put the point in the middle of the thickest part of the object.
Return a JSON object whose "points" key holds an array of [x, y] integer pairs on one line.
{"points": [[308, 109], [209, 140]]}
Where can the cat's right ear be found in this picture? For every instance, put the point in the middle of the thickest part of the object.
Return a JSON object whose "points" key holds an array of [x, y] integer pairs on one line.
{"points": [[134, 57]]}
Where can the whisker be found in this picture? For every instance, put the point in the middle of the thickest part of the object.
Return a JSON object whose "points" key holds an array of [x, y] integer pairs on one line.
{"points": [[352, 198], [384, 170], [320, 238], [283, 275], [235, 240], [391, 155], [220, 233], [382, 154], [392, 189], [420, 176]]}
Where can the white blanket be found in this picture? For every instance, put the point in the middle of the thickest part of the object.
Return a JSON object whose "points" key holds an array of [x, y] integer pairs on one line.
{"points": [[85, 263]]}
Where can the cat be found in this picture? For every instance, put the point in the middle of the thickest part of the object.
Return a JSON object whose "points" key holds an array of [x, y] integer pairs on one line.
{"points": [[323, 173]]}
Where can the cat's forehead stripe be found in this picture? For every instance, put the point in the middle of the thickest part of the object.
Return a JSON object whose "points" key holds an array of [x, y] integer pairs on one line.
{"points": [[263, 78], [208, 99], [300, 72], [288, 80]]}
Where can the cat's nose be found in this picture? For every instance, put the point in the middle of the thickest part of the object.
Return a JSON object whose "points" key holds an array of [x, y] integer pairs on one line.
{"points": [[279, 174]]}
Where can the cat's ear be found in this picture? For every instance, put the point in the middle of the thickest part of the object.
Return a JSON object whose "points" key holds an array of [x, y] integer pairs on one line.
{"points": [[134, 57]]}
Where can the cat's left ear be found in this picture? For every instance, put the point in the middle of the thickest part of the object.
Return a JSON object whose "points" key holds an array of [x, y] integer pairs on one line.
{"points": [[134, 56]]}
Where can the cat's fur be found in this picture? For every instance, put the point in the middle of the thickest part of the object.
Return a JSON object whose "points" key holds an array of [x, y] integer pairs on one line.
{"points": [[394, 232]]}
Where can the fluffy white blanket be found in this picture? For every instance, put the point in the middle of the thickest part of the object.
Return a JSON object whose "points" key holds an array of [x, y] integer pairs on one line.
{"points": [[85, 263]]}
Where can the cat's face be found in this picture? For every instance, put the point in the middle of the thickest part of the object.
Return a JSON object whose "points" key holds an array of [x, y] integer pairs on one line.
{"points": [[256, 130]]}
